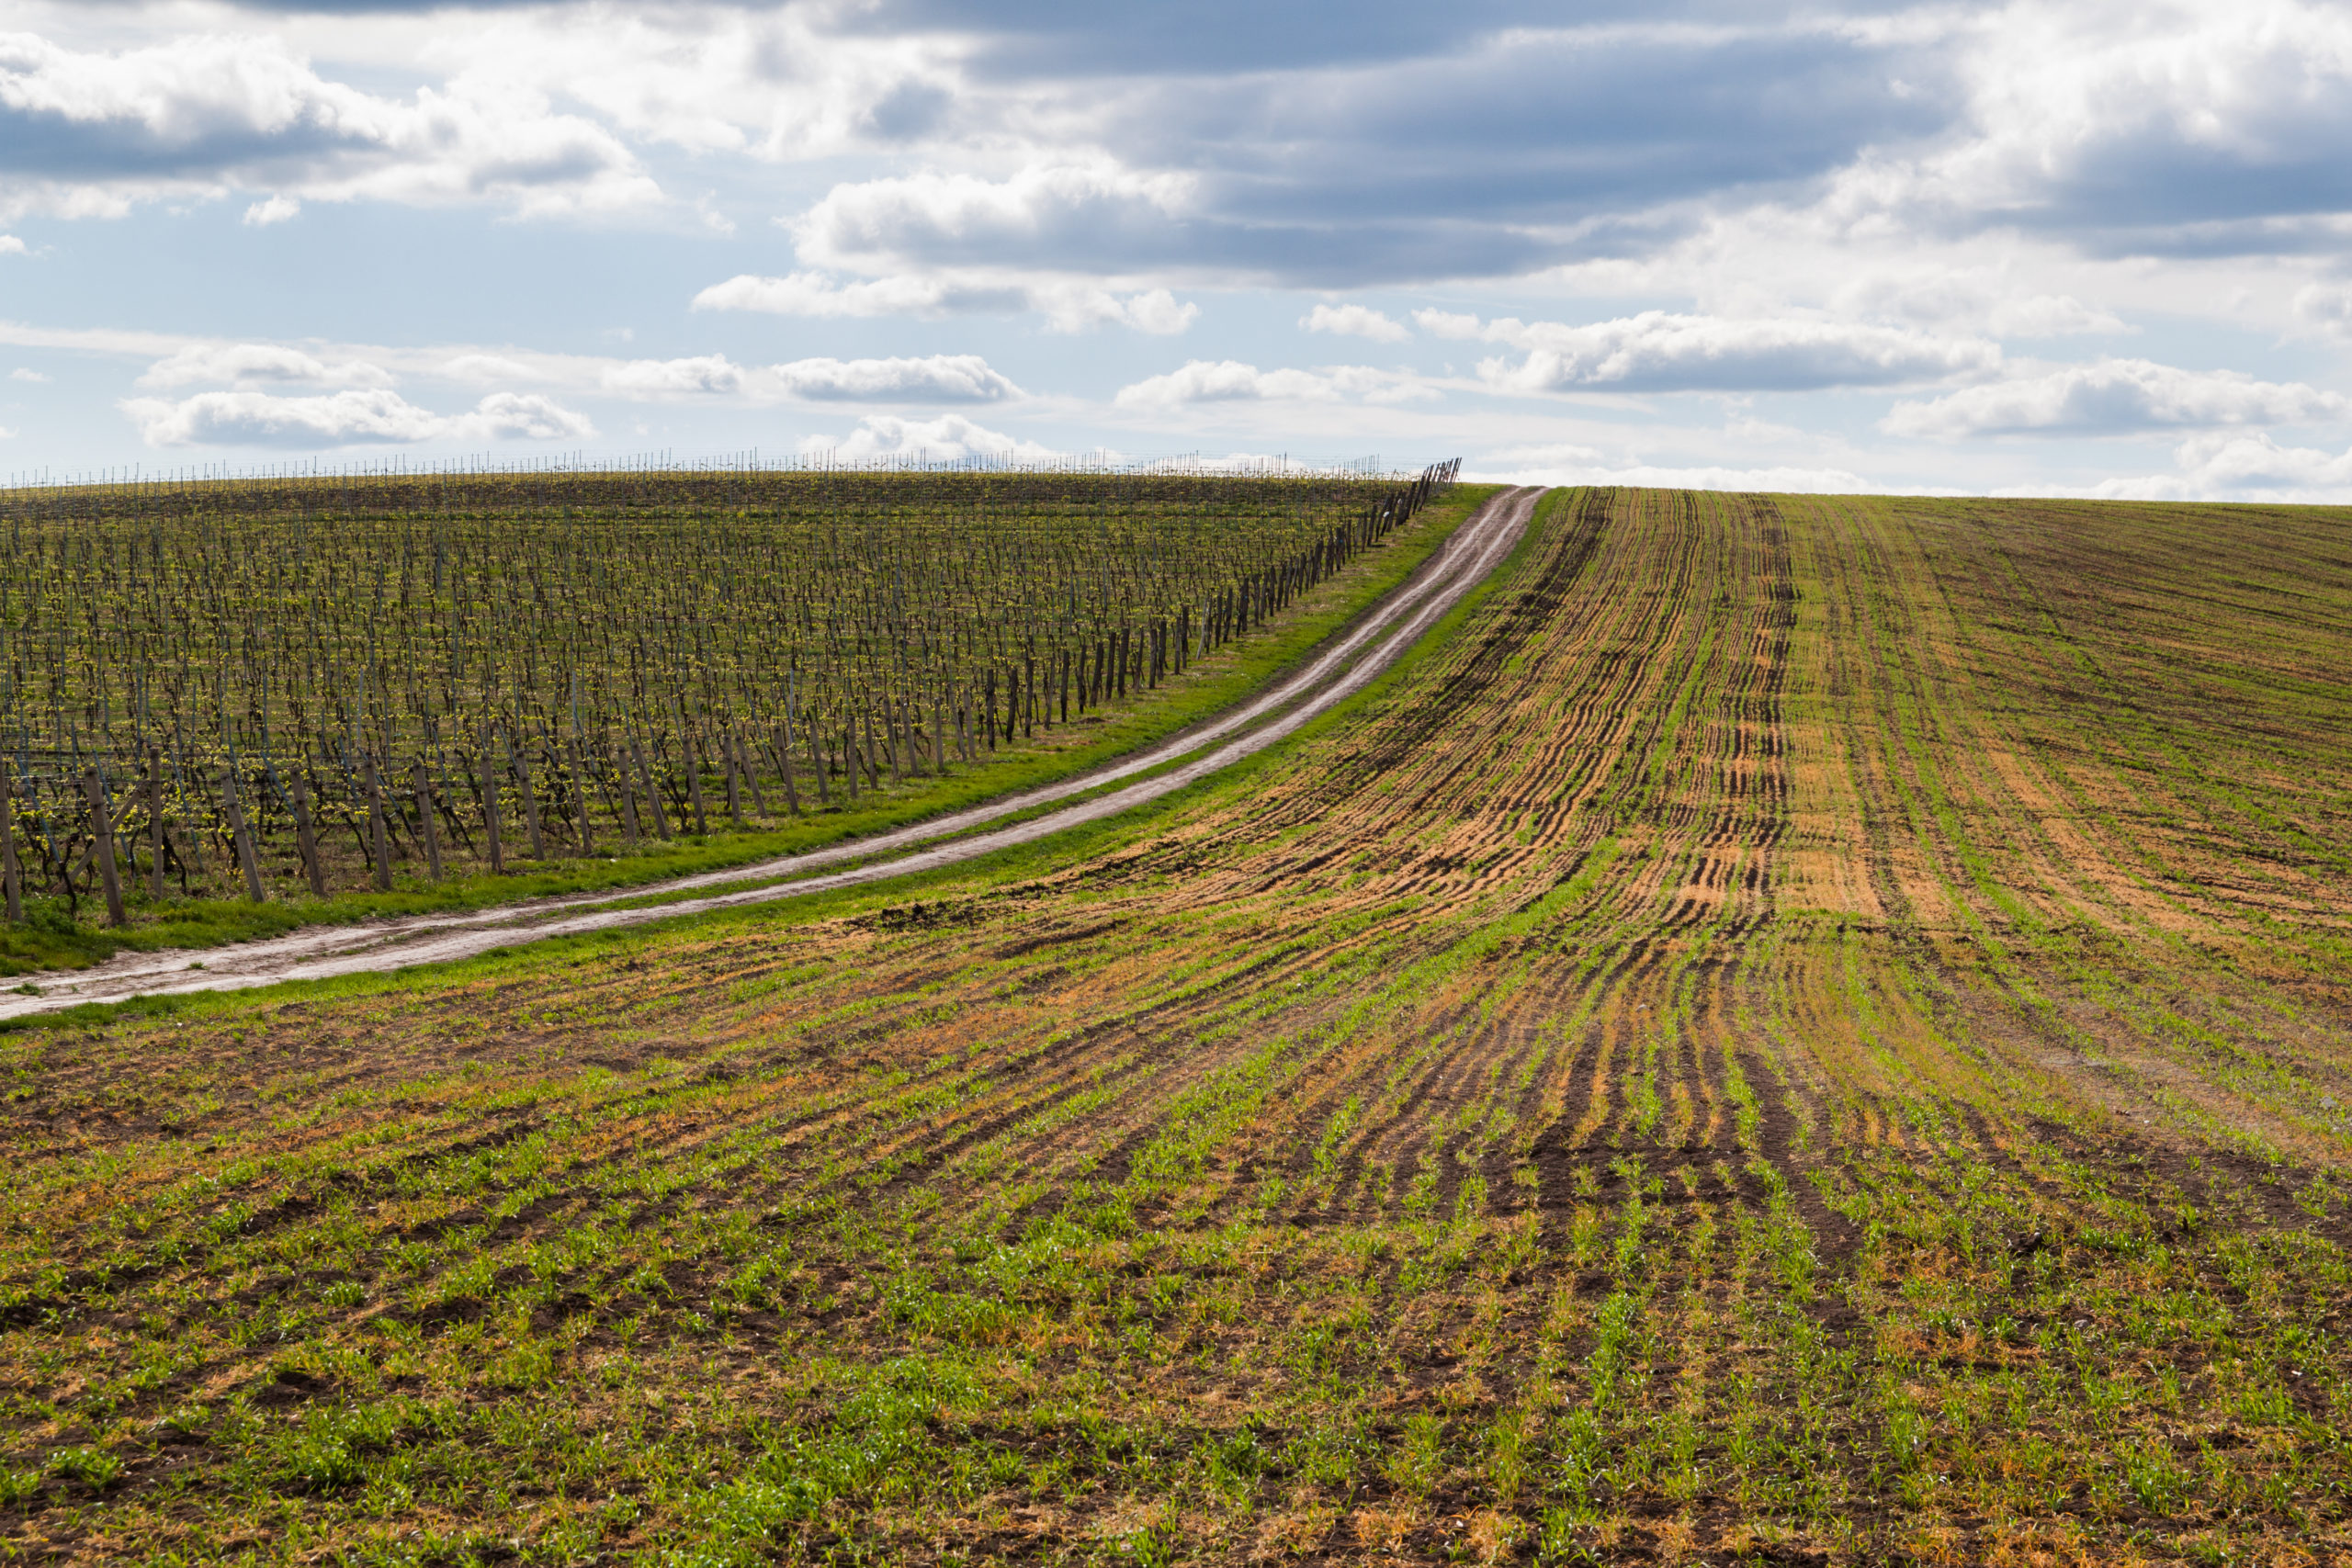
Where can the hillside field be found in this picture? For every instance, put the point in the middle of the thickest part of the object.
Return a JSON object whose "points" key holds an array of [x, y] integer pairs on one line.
{"points": [[1800, 1030]]}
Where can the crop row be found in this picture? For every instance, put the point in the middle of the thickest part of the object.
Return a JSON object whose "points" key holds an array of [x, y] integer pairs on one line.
{"points": [[202, 680]]}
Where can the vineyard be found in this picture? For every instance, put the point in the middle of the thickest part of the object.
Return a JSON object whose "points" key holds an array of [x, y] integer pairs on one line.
{"points": [[255, 688], [1797, 1030]]}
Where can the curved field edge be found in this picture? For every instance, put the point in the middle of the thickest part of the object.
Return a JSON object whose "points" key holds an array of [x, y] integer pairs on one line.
{"points": [[1212, 685], [1667, 1078]]}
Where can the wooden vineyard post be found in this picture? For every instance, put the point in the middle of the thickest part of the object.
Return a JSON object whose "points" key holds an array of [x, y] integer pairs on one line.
{"points": [[11, 880], [866, 725], [784, 755], [848, 754], [734, 782], [306, 837], [694, 783], [489, 804], [889, 744], [380, 843], [155, 819], [652, 796], [102, 832], [240, 839], [519, 759], [629, 800], [817, 761], [938, 740], [427, 832], [580, 795], [748, 759]]}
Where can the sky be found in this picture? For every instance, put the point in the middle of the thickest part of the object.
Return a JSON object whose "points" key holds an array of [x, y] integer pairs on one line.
{"points": [[2051, 248]]}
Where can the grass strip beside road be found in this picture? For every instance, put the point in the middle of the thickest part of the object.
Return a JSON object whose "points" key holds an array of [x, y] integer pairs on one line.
{"points": [[52, 940]]}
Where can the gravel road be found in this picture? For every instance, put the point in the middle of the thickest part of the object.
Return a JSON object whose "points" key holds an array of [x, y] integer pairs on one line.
{"points": [[1344, 667]]}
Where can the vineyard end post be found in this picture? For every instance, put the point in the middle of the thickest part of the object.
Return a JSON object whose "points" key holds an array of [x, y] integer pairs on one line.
{"points": [[102, 832]]}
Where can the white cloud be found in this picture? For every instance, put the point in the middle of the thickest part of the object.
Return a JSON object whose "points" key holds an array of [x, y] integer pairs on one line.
{"points": [[2050, 315], [1067, 307], [1072, 307], [1083, 214], [709, 374], [768, 82], [940, 377], [2240, 467], [2114, 396], [1355, 321], [270, 364], [11, 246], [1230, 381], [2158, 115], [1456, 325], [1579, 466], [277, 209], [1658, 351], [23, 373], [483, 369], [1959, 297], [345, 419], [814, 294], [2326, 308], [949, 438], [198, 114]]}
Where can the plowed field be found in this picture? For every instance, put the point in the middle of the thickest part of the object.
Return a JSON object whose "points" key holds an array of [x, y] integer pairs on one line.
{"points": [[1797, 1030]]}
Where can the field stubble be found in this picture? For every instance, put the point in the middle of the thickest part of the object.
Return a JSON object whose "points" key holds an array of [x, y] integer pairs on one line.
{"points": [[1806, 1030]]}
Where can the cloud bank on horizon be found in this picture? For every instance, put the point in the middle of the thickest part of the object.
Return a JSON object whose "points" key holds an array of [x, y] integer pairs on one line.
{"points": [[2082, 247]]}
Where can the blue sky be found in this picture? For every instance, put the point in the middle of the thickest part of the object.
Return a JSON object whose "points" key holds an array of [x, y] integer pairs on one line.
{"points": [[2049, 248]]}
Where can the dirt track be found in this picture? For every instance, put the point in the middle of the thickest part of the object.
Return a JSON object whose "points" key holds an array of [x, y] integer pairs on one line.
{"points": [[1337, 672]]}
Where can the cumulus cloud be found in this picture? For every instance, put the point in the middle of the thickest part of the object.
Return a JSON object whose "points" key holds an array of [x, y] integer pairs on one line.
{"points": [[345, 419], [92, 131], [22, 373], [1354, 321], [2241, 467], [11, 246], [1659, 351], [1777, 481], [1957, 296], [277, 209], [1085, 216], [947, 439], [815, 294], [1071, 308], [1230, 381], [709, 374], [763, 81], [2326, 307], [2145, 127], [940, 377], [933, 378], [245, 364], [483, 369], [2113, 396], [1067, 307]]}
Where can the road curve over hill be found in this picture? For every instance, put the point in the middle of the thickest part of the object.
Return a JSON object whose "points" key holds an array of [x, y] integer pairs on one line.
{"points": [[1341, 671]]}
